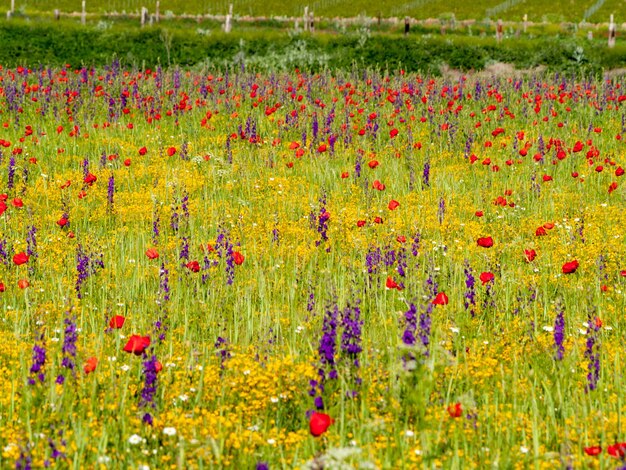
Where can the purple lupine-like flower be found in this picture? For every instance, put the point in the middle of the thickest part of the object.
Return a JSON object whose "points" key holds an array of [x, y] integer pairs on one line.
{"points": [[25, 460], [358, 164], [103, 159], [373, 258], [223, 351], [110, 193], [468, 145], [31, 242], [39, 361], [327, 351], [174, 219], [276, 236], [82, 269], [401, 260], [592, 352], [184, 151], [85, 166], [390, 257], [426, 175], [184, 205], [351, 337], [148, 392], [559, 331], [156, 222], [410, 325], [424, 326], [11, 173], [441, 212], [603, 275], [310, 306], [229, 152], [469, 301], [25, 174], [70, 337], [415, 246], [262, 466], [314, 128], [184, 250], [164, 284], [4, 256], [534, 184]]}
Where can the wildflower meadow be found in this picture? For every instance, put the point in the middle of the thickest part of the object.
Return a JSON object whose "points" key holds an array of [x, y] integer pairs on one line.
{"points": [[346, 269]]}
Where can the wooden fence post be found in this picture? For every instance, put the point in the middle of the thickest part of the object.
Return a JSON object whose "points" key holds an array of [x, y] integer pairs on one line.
{"points": [[227, 25], [156, 14], [144, 16], [312, 22], [407, 25], [525, 22], [611, 32], [305, 18], [83, 15], [499, 31]]}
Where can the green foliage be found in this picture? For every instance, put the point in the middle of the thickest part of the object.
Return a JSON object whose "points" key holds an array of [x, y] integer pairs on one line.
{"points": [[70, 43]]}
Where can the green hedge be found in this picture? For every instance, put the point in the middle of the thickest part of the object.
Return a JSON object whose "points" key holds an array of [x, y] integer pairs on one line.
{"points": [[32, 44]]}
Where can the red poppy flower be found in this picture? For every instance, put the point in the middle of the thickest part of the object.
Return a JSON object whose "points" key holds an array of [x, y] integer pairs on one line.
{"points": [[593, 450], [238, 258], [391, 284], [294, 145], [345, 174], [378, 185], [20, 258], [486, 277], [171, 151], [23, 283], [90, 365], [319, 423], [321, 148], [360, 223], [378, 220], [2, 287], [441, 299], [622, 273], [3, 207], [612, 187], [117, 322], [530, 255], [193, 266], [62, 222], [578, 146], [619, 171], [570, 267], [90, 179], [548, 225], [485, 242], [137, 344], [479, 213], [401, 239], [152, 253], [373, 164], [393, 205], [17, 202], [617, 450], [127, 162], [455, 411], [541, 232], [393, 133], [143, 151]]}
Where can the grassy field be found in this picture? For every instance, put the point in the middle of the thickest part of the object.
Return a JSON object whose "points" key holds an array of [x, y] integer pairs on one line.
{"points": [[512, 10], [288, 270]]}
